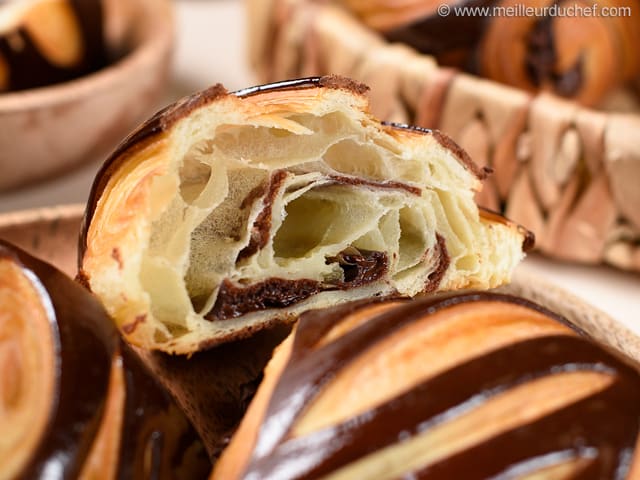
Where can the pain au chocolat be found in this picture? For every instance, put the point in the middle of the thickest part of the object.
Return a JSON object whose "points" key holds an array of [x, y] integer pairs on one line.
{"points": [[227, 212], [474, 386], [75, 401]]}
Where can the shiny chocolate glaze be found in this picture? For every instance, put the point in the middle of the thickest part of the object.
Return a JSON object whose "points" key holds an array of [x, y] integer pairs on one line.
{"points": [[28, 67], [603, 427], [86, 345]]}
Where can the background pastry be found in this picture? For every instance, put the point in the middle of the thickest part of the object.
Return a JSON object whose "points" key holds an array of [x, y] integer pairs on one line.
{"points": [[225, 213], [75, 401], [44, 42], [473, 386], [581, 57]]}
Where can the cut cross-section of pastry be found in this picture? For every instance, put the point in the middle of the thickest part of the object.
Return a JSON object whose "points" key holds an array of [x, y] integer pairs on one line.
{"points": [[227, 212], [472, 387]]}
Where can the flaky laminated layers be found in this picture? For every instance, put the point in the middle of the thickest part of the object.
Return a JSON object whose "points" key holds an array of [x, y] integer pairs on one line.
{"points": [[225, 213], [566, 172]]}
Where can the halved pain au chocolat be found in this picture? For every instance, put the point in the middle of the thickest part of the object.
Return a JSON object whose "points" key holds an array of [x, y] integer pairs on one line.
{"points": [[227, 212], [474, 386], [43, 42], [75, 401]]}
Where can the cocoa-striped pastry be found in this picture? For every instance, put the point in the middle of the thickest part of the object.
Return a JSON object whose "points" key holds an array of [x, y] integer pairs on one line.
{"points": [[468, 387], [584, 57], [43, 42], [225, 213], [75, 401]]}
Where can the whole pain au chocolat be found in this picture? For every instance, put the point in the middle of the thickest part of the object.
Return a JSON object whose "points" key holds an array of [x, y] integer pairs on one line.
{"points": [[43, 42], [473, 386], [228, 212], [75, 400]]}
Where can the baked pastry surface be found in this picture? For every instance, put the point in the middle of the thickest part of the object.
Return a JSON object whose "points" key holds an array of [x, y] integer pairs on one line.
{"points": [[227, 212], [473, 386], [75, 400]]}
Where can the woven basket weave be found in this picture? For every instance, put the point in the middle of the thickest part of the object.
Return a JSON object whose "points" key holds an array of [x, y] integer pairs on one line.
{"points": [[570, 174]]}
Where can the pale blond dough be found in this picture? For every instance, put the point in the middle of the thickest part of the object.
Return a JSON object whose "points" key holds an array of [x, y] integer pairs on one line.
{"points": [[276, 185], [408, 356], [552, 159]]}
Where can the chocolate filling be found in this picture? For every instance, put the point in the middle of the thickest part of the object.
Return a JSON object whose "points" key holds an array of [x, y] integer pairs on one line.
{"points": [[262, 223], [390, 184], [435, 277], [542, 59], [234, 301], [360, 267]]}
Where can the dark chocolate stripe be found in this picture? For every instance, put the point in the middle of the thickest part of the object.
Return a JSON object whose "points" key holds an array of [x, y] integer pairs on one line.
{"points": [[305, 376], [600, 421], [262, 224], [444, 260], [374, 184], [430, 403]]}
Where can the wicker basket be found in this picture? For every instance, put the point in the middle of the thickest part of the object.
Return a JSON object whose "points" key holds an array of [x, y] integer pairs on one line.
{"points": [[570, 174]]}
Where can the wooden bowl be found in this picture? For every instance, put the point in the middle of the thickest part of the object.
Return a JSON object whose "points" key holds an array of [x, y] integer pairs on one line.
{"points": [[48, 130]]}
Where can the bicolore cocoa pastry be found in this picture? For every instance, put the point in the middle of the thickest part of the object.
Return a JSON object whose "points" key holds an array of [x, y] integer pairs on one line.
{"points": [[580, 49], [225, 213], [75, 401], [468, 387], [43, 42]]}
